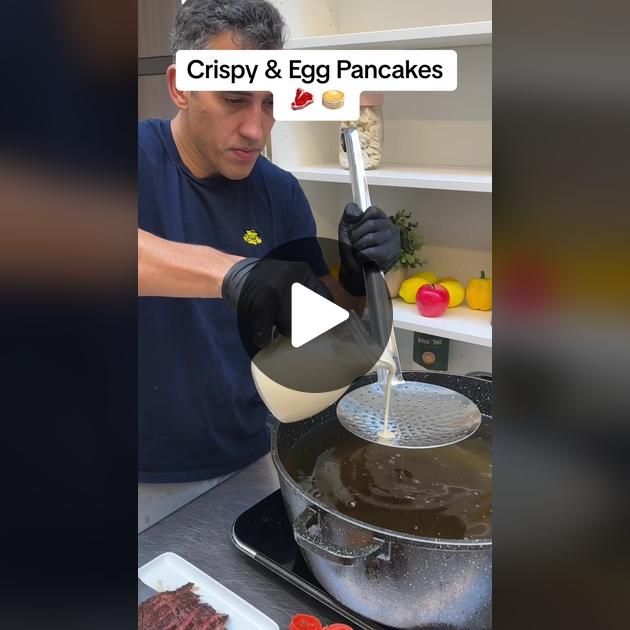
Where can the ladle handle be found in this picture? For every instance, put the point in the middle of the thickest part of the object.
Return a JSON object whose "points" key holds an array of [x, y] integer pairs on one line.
{"points": [[378, 299], [375, 286]]}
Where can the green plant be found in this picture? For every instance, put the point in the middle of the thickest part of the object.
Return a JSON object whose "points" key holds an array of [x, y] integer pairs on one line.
{"points": [[410, 240]]}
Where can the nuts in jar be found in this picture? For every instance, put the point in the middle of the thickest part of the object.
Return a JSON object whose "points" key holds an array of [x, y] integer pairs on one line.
{"points": [[371, 133]]}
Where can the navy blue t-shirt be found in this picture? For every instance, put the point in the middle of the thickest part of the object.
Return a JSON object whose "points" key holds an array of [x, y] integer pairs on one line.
{"points": [[199, 413]]}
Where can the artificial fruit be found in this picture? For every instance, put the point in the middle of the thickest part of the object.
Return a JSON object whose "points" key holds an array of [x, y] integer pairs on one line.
{"points": [[479, 293], [429, 276], [455, 290], [409, 289], [432, 300]]}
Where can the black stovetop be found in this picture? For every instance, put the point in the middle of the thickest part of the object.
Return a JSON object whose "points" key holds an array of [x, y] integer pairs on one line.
{"points": [[265, 529]]}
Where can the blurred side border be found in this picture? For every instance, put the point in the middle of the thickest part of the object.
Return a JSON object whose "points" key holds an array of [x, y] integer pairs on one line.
{"points": [[68, 272], [561, 355]]}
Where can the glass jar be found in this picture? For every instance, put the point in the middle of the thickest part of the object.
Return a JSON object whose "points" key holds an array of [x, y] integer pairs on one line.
{"points": [[370, 126]]}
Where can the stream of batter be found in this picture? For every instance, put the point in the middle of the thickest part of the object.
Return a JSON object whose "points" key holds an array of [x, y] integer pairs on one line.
{"points": [[387, 358]]}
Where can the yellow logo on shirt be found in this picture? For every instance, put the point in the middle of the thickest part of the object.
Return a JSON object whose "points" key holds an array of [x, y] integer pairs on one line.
{"points": [[251, 237]]}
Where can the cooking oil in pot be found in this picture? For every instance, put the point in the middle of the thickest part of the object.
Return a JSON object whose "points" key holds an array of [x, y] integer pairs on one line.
{"points": [[441, 492]]}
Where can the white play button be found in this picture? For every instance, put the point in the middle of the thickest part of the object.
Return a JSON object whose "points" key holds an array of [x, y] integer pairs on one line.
{"points": [[312, 315]]}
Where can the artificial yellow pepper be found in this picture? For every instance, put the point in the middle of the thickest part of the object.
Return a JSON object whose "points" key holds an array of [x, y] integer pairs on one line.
{"points": [[479, 293]]}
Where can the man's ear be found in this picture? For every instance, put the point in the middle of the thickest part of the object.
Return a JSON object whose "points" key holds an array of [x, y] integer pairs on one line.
{"points": [[177, 96]]}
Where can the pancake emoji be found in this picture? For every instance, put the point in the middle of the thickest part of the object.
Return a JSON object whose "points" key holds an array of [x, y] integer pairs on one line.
{"points": [[332, 99]]}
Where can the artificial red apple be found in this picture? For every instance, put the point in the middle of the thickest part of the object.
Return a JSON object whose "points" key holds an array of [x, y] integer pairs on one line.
{"points": [[432, 300]]}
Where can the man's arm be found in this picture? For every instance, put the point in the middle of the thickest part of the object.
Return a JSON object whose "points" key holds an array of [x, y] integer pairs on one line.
{"points": [[170, 269]]}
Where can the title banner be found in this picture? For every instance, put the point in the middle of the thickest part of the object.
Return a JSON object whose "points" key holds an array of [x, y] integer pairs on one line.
{"points": [[316, 84]]}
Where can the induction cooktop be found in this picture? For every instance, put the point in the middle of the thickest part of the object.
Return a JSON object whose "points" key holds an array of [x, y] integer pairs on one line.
{"points": [[264, 533]]}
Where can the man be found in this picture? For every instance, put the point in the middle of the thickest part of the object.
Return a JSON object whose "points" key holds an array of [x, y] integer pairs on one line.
{"points": [[209, 207]]}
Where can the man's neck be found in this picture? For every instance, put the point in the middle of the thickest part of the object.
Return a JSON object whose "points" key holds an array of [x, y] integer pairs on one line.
{"points": [[188, 152]]}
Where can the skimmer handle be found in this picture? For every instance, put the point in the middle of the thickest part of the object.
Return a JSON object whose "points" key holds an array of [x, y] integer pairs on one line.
{"points": [[375, 285]]}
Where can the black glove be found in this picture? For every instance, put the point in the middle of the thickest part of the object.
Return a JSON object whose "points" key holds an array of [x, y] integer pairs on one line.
{"points": [[260, 291], [365, 237]]}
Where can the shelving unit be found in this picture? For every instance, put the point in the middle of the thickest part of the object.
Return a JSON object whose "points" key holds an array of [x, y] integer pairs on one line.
{"points": [[437, 149], [405, 176], [440, 36]]}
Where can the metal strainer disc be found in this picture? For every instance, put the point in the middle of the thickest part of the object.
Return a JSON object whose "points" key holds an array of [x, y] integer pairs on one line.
{"points": [[421, 415]]}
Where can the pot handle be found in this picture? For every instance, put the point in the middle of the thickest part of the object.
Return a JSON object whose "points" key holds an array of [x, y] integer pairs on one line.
{"points": [[334, 553]]}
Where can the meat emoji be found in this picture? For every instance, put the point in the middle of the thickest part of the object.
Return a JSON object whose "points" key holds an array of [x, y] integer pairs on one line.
{"points": [[302, 99]]}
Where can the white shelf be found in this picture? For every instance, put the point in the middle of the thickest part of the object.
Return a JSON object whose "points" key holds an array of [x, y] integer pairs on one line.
{"points": [[441, 36], [402, 176], [460, 323]]}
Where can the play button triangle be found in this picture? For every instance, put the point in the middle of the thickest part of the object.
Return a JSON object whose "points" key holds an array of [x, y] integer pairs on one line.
{"points": [[312, 315]]}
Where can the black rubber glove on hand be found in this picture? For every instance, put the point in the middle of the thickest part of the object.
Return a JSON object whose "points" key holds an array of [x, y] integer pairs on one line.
{"points": [[365, 237], [260, 291]]}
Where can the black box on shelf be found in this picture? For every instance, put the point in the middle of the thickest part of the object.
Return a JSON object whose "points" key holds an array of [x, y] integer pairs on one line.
{"points": [[430, 352]]}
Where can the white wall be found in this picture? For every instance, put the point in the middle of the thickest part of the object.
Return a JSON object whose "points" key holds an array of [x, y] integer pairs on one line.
{"points": [[444, 128], [371, 15], [309, 18]]}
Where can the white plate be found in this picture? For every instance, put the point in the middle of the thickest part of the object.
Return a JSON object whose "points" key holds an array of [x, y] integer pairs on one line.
{"points": [[170, 571]]}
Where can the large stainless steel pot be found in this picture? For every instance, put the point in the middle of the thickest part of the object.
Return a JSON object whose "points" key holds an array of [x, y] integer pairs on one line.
{"points": [[395, 579]]}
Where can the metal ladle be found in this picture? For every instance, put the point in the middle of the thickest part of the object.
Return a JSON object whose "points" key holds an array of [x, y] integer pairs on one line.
{"points": [[421, 415]]}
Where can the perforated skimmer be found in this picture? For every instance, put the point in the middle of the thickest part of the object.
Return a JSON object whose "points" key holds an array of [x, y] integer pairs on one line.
{"points": [[420, 415]]}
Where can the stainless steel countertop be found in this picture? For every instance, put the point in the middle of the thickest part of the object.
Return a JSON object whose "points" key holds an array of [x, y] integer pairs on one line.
{"points": [[201, 532]]}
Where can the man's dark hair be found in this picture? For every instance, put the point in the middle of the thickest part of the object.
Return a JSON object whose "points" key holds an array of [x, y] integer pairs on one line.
{"points": [[256, 24]]}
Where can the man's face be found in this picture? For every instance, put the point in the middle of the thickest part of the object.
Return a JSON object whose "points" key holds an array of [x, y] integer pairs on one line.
{"points": [[229, 129]]}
